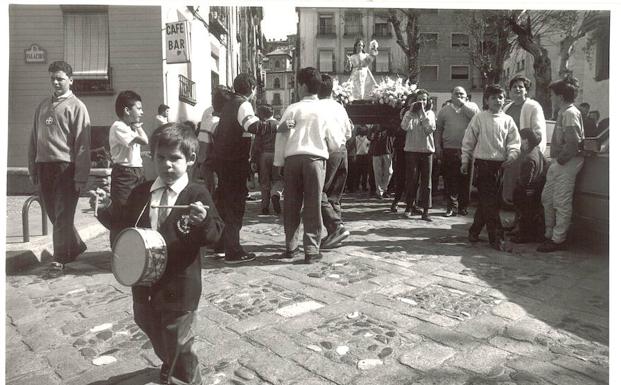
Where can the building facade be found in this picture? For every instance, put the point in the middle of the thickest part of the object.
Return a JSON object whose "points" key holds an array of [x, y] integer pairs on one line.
{"points": [[327, 36], [169, 54], [279, 79]]}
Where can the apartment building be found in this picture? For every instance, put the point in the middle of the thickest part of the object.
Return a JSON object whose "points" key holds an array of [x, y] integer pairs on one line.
{"points": [[279, 79], [327, 36]]}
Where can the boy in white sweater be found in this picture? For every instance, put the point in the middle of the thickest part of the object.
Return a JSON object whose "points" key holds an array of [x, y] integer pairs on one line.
{"points": [[493, 141], [302, 146]]}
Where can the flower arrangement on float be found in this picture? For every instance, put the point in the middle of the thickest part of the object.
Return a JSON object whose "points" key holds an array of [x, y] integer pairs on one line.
{"points": [[393, 92], [343, 92]]}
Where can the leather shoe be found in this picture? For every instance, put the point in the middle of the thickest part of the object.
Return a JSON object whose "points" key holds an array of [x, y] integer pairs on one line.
{"points": [[463, 212], [289, 254], [416, 211], [472, 237], [393, 207], [550, 246], [310, 258], [450, 213]]}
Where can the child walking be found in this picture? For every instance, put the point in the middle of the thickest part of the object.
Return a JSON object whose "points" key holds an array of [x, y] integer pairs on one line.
{"points": [[492, 140], [166, 311]]}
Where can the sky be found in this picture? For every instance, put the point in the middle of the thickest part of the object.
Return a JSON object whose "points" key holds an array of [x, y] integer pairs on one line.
{"points": [[279, 21]]}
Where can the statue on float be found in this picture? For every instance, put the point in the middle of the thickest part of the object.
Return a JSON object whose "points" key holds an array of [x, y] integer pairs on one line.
{"points": [[358, 63]]}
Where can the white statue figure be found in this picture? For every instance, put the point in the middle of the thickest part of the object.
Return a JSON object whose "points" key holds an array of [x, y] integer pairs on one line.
{"points": [[358, 63]]}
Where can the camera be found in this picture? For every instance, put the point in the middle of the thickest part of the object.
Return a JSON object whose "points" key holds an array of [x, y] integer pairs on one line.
{"points": [[416, 106]]}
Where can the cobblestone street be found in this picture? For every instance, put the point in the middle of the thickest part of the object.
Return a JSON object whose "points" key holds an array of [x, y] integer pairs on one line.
{"points": [[402, 302]]}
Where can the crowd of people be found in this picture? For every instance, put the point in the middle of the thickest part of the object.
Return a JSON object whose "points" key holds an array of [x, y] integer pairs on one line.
{"points": [[307, 159]]}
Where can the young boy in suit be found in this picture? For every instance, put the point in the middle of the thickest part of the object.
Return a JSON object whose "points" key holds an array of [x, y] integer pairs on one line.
{"points": [[166, 310]]}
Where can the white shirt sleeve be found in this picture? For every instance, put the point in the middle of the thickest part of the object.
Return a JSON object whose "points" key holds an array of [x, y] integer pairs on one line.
{"points": [[246, 116], [123, 133]]}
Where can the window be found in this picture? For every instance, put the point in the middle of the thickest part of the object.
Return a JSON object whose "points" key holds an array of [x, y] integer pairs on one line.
{"points": [[353, 24], [460, 40], [326, 24], [276, 99], [326, 61], [277, 64], [87, 48], [381, 26], [429, 39], [602, 56], [460, 72], [429, 73], [276, 83], [382, 61]]}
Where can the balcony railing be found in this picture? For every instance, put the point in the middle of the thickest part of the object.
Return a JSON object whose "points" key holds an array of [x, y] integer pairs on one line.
{"points": [[187, 90]]}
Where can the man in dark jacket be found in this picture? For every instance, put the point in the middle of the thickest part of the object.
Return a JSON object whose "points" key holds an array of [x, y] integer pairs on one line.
{"points": [[232, 140]]}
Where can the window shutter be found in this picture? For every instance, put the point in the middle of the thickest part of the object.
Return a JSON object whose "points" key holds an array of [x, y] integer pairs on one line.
{"points": [[87, 44]]}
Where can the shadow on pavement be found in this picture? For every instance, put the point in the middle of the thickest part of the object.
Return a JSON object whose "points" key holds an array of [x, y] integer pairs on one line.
{"points": [[566, 290], [139, 377]]}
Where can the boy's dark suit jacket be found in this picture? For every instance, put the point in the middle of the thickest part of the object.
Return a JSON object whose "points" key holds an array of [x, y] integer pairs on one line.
{"points": [[179, 289]]}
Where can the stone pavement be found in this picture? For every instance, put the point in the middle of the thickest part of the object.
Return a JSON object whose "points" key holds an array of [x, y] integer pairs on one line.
{"points": [[39, 248], [402, 302]]}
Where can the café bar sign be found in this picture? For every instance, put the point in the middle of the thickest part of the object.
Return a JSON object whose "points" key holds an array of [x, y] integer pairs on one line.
{"points": [[35, 54], [177, 41]]}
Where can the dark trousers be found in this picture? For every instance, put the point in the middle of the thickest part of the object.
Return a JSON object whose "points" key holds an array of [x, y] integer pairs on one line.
{"points": [[230, 199], [456, 184], [418, 173], [529, 213], [336, 176], [363, 173], [122, 182], [487, 179], [171, 334], [268, 179], [208, 174], [398, 176], [352, 173], [304, 179], [60, 198]]}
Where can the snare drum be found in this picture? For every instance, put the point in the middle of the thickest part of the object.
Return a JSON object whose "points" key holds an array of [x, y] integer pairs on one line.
{"points": [[139, 257]]}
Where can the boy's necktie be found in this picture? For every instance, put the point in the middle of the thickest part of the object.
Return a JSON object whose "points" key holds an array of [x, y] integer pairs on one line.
{"points": [[162, 212]]}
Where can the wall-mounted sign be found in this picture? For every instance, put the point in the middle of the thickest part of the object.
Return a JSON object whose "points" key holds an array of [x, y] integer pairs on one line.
{"points": [[35, 54], [177, 42]]}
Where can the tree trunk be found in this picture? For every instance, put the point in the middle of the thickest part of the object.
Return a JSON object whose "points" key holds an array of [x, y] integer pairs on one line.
{"points": [[543, 78], [566, 49], [541, 63], [411, 47]]}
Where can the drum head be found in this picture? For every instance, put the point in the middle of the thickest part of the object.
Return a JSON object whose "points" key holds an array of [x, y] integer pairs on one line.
{"points": [[128, 259]]}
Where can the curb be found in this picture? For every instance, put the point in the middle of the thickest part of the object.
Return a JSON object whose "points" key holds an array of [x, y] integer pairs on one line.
{"points": [[21, 256]]}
